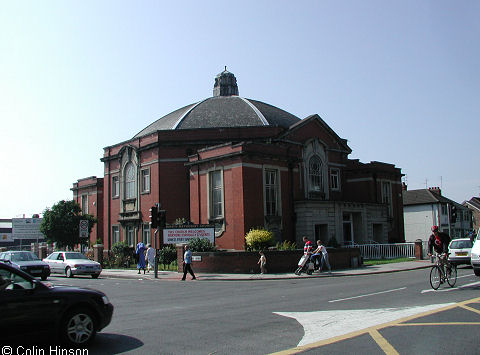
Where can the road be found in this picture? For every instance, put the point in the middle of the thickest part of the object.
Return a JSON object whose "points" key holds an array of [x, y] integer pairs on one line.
{"points": [[262, 317]]}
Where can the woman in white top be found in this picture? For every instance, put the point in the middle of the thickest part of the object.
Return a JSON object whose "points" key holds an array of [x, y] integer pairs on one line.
{"points": [[321, 249], [150, 256]]}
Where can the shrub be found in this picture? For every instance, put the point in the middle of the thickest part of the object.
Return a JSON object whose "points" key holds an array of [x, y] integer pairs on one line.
{"points": [[167, 255], [200, 244], [286, 245], [258, 239], [122, 255]]}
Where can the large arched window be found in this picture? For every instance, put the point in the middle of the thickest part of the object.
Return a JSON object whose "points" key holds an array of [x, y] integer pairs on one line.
{"points": [[315, 173], [130, 181]]}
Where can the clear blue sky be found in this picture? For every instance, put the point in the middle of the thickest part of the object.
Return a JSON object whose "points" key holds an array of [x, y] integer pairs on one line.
{"points": [[398, 79]]}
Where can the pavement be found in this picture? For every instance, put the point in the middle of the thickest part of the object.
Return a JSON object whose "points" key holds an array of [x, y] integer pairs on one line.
{"points": [[176, 276]]}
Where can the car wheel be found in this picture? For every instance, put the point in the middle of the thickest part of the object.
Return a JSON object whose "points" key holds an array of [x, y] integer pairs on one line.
{"points": [[95, 276], [68, 272], [477, 272], [78, 327], [44, 278]]}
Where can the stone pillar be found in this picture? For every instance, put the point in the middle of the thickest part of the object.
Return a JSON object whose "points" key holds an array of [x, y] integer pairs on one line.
{"points": [[418, 249], [180, 250], [98, 253], [42, 251]]}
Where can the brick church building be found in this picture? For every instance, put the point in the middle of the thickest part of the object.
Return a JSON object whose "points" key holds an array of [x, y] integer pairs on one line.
{"points": [[239, 163]]}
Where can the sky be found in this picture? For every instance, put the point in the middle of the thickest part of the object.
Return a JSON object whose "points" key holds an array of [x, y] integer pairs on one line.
{"points": [[399, 80]]}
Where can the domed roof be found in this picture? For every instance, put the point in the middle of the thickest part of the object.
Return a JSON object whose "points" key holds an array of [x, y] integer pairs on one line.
{"points": [[224, 110]]}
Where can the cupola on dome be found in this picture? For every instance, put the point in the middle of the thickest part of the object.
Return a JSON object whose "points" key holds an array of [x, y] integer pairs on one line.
{"points": [[224, 110]]}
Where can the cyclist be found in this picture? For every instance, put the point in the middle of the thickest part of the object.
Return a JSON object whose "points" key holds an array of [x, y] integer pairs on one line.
{"points": [[439, 242]]}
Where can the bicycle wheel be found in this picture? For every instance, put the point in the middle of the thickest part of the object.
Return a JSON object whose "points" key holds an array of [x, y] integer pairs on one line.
{"points": [[435, 277], [451, 272]]}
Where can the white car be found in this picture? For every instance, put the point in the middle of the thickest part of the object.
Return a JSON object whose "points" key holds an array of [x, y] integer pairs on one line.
{"points": [[70, 263], [460, 250], [475, 256]]}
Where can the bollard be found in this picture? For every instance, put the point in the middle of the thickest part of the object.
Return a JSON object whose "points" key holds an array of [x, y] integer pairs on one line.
{"points": [[418, 249]]}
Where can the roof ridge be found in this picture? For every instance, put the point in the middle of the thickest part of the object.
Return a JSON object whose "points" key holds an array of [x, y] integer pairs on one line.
{"points": [[256, 110], [181, 118]]}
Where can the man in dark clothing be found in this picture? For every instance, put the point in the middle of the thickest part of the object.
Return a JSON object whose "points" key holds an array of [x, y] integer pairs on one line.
{"points": [[439, 242]]}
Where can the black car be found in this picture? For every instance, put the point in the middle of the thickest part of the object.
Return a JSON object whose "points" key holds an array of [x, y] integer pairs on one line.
{"points": [[28, 262], [32, 312]]}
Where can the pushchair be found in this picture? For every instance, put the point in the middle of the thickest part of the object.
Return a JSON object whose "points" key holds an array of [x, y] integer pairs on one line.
{"points": [[305, 264]]}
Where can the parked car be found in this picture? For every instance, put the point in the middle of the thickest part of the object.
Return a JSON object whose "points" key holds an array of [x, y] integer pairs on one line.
{"points": [[70, 263], [28, 262], [33, 312], [475, 255], [460, 250]]}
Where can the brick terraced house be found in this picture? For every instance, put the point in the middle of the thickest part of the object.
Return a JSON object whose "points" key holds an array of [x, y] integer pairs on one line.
{"points": [[240, 163]]}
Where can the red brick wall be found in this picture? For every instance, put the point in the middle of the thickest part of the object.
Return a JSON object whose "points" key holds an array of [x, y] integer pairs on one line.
{"points": [[277, 261], [93, 188]]}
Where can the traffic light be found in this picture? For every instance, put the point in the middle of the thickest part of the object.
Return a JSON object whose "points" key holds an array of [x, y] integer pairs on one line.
{"points": [[453, 214], [162, 218], [154, 216]]}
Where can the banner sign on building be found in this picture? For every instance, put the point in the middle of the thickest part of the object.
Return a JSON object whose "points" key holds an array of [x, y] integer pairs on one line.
{"points": [[26, 228], [183, 234]]}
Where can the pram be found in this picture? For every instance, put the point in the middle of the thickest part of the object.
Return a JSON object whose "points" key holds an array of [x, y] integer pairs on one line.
{"points": [[305, 264]]}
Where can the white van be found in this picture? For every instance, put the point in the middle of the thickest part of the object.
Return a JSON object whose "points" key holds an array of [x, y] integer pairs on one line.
{"points": [[475, 255]]}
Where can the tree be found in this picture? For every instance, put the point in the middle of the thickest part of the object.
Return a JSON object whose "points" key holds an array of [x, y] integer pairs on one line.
{"points": [[60, 224]]}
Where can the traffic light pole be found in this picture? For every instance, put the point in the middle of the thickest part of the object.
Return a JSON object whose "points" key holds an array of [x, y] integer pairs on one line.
{"points": [[155, 269]]}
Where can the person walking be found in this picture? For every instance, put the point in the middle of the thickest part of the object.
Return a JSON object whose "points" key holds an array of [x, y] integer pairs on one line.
{"points": [[187, 263], [150, 254], [323, 251], [140, 251], [263, 262]]}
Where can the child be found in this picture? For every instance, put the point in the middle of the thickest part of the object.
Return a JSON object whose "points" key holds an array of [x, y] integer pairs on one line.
{"points": [[263, 262]]}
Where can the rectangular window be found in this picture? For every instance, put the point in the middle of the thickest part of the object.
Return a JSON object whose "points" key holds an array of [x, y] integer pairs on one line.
{"points": [[115, 234], [271, 192], [146, 233], [216, 194], [387, 196], [145, 180], [335, 179], [130, 235], [115, 186], [84, 204]]}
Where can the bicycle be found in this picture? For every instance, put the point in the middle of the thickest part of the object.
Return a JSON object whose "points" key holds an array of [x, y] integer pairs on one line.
{"points": [[437, 275]]}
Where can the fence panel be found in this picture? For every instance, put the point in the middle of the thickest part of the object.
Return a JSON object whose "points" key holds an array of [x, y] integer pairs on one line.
{"points": [[386, 251]]}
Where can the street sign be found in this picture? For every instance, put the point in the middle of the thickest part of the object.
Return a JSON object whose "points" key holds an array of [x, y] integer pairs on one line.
{"points": [[26, 228], [83, 228]]}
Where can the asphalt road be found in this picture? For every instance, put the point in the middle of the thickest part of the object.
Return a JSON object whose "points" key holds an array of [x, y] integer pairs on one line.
{"points": [[327, 315]]}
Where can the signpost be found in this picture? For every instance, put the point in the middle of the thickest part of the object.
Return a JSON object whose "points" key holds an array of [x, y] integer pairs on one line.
{"points": [[26, 228], [83, 228]]}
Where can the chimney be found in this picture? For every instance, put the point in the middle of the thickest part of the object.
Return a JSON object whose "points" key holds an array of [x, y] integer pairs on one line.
{"points": [[404, 186], [435, 190]]}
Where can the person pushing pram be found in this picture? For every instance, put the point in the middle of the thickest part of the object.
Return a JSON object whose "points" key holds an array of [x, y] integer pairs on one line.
{"points": [[305, 264]]}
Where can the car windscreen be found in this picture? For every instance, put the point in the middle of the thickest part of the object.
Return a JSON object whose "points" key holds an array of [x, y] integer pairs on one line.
{"points": [[460, 244], [24, 257], [74, 256]]}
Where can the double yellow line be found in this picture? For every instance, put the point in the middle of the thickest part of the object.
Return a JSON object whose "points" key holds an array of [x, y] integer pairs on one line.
{"points": [[379, 339]]}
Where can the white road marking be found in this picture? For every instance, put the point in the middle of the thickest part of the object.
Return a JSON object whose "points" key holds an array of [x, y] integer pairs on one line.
{"points": [[368, 294], [452, 288], [321, 325]]}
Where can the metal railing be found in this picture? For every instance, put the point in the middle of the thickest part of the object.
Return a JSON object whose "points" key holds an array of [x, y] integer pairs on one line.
{"points": [[385, 251]]}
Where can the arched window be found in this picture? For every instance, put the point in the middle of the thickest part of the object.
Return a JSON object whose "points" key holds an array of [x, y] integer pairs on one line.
{"points": [[130, 181], [315, 173]]}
